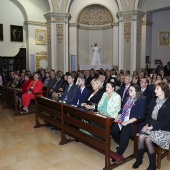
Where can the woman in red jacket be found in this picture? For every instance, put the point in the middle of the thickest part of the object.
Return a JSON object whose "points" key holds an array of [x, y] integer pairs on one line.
{"points": [[34, 87], [23, 89]]}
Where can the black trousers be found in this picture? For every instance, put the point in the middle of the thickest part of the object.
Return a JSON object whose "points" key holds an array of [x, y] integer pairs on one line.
{"points": [[121, 137]]}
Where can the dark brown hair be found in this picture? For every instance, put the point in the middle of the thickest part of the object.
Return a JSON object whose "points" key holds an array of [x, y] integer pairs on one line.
{"points": [[165, 88]]}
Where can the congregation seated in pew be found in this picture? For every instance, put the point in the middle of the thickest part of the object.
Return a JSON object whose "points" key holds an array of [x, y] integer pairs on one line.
{"points": [[95, 96], [133, 109], [82, 92], [58, 84], [69, 94], [23, 89], [34, 88], [157, 126], [110, 102]]}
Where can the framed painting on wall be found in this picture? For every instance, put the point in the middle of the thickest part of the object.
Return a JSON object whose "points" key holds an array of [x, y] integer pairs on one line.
{"points": [[1, 32], [164, 38], [40, 36], [16, 33]]}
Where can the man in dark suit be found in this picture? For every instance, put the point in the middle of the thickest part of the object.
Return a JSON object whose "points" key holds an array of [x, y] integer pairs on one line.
{"points": [[21, 81], [58, 84], [167, 69], [124, 90], [52, 79], [88, 79], [82, 93], [145, 90], [43, 76], [102, 80], [70, 91], [108, 77]]}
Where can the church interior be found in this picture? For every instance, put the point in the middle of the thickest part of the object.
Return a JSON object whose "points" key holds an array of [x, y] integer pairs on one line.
{"points": [[61, 35]]}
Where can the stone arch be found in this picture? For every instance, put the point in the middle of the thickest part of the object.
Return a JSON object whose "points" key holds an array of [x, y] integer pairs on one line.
{"points": [[138, 4], [21, 8], [101, 15]]}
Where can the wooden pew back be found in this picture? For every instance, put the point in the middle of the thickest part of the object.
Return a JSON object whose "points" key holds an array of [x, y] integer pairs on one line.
{"points": [[48, 110], [75, 124]]}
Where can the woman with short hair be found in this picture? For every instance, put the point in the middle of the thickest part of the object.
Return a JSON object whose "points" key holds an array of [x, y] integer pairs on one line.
{"points": [[35, 87], [157, 126], [95, 96]]}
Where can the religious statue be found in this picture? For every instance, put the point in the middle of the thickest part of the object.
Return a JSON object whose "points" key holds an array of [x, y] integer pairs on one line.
{"points": [[96, 56]]}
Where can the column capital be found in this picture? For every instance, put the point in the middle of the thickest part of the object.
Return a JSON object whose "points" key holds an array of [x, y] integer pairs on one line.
{"points": [[52, 17], [135, 15]]}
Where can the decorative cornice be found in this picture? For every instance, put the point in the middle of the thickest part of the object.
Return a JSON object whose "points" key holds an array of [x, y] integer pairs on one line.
{"points": [[135, 15], [57, 17], [88, 27], [148, 23], [34, 23]]}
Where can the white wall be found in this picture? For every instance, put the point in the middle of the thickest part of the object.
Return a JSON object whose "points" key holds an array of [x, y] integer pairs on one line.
{"points": [[160, 23], [10, 15], [32, 47], [35, 9]]}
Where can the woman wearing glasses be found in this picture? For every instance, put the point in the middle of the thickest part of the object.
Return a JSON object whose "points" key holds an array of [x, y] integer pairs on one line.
{"points": [[133, 109]]}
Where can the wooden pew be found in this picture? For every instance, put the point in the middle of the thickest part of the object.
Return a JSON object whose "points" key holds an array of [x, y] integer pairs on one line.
{"points": [[1, 93], [68, 119], [49, 111], [9, 98], [73, 125]]}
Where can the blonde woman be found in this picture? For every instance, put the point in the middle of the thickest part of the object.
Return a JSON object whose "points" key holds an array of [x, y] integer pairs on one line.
{"points": [[95, 96]]}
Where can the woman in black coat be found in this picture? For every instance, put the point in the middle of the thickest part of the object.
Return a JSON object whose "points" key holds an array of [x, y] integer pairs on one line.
{"points": [[157, 128]]}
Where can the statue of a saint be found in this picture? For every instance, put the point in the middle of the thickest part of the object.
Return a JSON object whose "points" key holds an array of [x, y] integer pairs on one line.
{"points": [[96, 56]]}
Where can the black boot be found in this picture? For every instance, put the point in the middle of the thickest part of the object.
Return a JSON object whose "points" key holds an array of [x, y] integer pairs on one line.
{"points": [[139, 158], [152, 162]]}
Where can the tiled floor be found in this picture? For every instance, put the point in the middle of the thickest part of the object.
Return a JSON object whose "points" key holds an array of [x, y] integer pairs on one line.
{"points": [[24, 148]]}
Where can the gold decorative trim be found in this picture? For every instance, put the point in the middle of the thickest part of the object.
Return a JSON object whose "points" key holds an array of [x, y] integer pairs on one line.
{"points": [[49, 32], [139, 30], [127, 31], [95, 15], [41, 53], [164, 38], [41, 62], [40, 36], [59, 33]]}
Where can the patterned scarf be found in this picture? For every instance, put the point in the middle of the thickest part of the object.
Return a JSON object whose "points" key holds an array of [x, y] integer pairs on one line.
{"points": [[126, 110]]}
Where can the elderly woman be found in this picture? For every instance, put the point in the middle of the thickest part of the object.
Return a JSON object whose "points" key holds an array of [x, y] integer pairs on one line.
{"points": [[157, 128], [23, 89], [110, 102], [133, 109], [33, 88], [95, 96]]}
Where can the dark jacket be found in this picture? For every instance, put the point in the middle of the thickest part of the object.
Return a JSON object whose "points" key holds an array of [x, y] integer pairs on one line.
{"points": [[121, 91], [71, 94], [163, 119], [147, 94], [82, 97], [96, 98], [52, 82], [137, 111]]}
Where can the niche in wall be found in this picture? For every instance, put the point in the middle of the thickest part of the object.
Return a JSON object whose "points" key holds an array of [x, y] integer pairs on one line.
{"points": [[95, 25]]}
